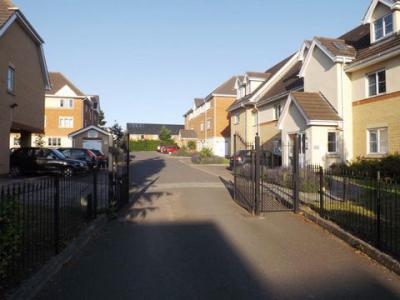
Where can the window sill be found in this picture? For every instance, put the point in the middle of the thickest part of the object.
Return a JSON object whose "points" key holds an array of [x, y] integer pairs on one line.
{"points": [[377, 95], [12, 93], [333, 155], [376, 155]]}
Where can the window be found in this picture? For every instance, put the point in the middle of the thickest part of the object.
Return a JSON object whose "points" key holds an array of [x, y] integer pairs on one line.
{"points": [[53, 141], [332, 142], [208, 124], [66, 122], [16, 141], [278, 111], [66, 103], [383, 27], [378, 141], [202, 126], [377, 83], [236, 119], [11, 79]]}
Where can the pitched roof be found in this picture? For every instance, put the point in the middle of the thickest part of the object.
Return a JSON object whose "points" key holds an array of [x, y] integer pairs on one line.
{"points": [[227, 88], [58, 81], [315, 106], [337, 47], [289, 82], [198, 102], [5, 11], [187, 134], [152, 129], [264, 76]]}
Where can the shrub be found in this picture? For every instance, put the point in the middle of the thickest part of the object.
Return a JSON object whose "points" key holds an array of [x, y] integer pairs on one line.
{"points": [[208, 160], [206, 153], [182, 152], [10, 234], [191, 145]]}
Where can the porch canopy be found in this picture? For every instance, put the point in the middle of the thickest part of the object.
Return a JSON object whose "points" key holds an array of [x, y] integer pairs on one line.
{"points": [[312, 116]]}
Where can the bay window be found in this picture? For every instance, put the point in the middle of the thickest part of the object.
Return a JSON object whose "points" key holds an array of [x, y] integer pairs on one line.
{"points": [[332, 142]]}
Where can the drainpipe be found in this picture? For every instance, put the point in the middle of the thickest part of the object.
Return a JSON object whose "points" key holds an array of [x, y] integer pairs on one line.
{"points": [[343, 122]]}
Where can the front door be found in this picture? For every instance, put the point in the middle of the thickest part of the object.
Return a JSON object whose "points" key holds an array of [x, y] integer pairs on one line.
{"points": [[302, 148]]}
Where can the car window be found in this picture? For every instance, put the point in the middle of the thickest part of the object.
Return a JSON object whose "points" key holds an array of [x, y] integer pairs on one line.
{"points": [[66, 152], [78, 154]]}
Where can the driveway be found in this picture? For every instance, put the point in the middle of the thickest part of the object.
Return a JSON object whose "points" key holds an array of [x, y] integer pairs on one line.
{"points": [[184, 238]]}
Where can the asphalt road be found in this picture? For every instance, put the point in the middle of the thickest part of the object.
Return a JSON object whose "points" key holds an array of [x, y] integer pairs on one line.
{"points": [[184, 238]]}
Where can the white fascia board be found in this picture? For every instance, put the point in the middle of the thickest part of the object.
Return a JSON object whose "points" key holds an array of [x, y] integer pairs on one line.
{"points": [[303, 48], [91, 127], [8, 23], [273, 79], [322, 123], [223, 95], [374, 59], [368, 15]]}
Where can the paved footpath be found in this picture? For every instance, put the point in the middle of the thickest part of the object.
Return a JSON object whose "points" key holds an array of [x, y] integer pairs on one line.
{"points": [[185, 238]]}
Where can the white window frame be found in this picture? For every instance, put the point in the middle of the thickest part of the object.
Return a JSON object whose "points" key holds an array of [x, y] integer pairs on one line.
{"points": [[336, 142], [202, 127], [62, 123], [66, 103], [11, 79], [379, 146], [236, 119], [384, 33], [208, 124], [278, 111], [255, 118], [54, 141], [376, 74]]}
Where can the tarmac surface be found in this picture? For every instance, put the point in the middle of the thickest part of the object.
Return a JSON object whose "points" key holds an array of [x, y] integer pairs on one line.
{"points": [[185, 238]]}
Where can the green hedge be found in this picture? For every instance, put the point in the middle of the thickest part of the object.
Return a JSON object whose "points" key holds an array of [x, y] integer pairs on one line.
{"points": [[144, 145]]}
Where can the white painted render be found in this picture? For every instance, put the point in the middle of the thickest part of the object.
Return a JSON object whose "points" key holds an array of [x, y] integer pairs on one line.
{"points": [[220, 146], [66, 91]]}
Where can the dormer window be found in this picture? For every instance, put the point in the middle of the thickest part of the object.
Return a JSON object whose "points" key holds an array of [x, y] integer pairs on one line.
{"points": [[383, 27]]}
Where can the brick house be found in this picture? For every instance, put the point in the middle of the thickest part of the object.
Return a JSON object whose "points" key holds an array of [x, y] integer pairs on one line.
{"points": [[23, 80]]}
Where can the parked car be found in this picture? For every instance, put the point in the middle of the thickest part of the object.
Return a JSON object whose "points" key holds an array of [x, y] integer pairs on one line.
{"points": [[170, 149], [162, 149], [43, 161], [100, 158], [242, 157], [81, 154]]}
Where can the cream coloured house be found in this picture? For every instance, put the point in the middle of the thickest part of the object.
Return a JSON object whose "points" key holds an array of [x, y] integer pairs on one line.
{"points": [[341, 96]]}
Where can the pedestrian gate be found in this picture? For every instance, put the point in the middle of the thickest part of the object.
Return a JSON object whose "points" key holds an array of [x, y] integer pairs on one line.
{"points": [[261, 184]]}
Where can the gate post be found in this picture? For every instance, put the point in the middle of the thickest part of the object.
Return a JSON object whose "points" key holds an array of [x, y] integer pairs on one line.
{"points": [[257, 177], [296, 174], [234, 166]]}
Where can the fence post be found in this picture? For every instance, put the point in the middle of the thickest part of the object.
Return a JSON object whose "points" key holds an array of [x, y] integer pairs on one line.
{"points": [[257, 189], [321, 190], [56, 214], [296, 174], [234, 166], [110, 190], [89, 206], [94, 193], [128, 162], [378, 211]]}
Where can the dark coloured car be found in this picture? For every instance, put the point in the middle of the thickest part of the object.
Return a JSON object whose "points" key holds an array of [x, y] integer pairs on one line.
{"points": [[242, 157], [81, 154], [43, 161], [100, 158]]}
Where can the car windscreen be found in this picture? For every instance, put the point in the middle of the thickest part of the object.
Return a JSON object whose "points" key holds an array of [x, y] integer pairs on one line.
{"points": [[58, 154]]}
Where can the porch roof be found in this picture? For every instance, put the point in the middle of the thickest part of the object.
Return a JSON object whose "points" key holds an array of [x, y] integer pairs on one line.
{"points": [[315, 106]]}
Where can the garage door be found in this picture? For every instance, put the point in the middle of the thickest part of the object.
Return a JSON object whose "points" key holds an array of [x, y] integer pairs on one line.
{"points": [[92, 144]]}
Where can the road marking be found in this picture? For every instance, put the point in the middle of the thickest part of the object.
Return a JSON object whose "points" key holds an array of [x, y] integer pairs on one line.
{"points": [[185, 185]]}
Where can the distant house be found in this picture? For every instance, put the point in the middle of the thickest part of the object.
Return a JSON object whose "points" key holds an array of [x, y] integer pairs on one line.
{"points": [[209, 120], [146, 131], [23, 81]]}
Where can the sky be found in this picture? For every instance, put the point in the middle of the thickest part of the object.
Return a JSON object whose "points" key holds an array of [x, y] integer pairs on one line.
{"points": [[148, 59]]}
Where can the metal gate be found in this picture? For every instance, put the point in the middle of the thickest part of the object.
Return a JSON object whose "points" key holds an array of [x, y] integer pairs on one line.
{"points": [[261, 184]]}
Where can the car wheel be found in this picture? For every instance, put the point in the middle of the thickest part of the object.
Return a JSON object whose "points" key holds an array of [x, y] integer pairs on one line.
{"points": [[68, 172], [15, 171]]}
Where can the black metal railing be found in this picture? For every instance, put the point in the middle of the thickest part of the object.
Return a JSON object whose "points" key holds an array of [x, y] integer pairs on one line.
{"points": [[364, 204], [40, 216]]}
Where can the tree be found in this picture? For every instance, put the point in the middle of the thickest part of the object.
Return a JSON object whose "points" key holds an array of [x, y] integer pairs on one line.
{"points": [[165, 135], [102, 119], [39, 141], [118, 134]]}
